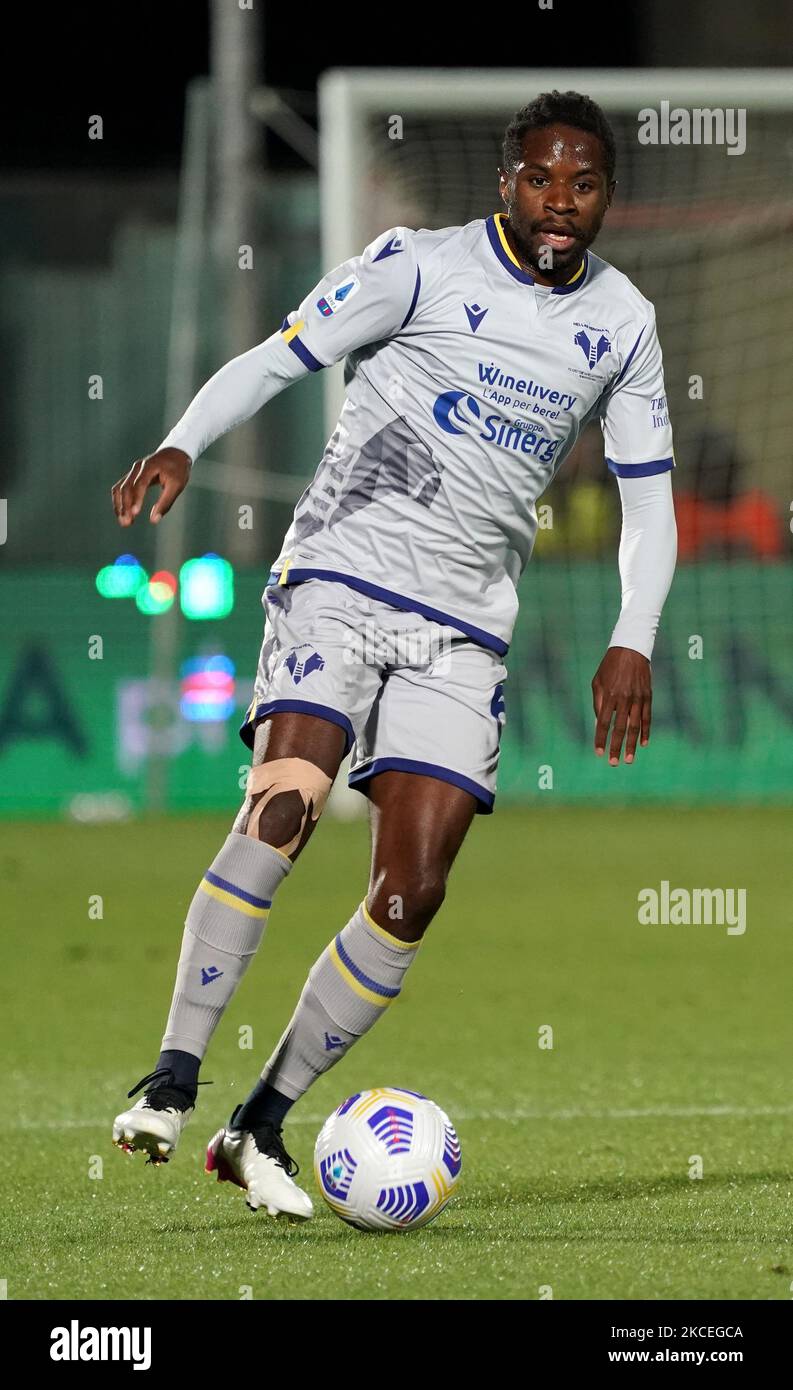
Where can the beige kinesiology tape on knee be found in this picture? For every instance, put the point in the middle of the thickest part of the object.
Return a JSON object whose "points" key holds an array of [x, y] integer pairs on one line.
{"points": [[287, 775]]}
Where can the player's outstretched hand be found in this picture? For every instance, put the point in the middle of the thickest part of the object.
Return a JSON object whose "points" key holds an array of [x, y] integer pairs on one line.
{"points": [[622, 689], [168, 467]]}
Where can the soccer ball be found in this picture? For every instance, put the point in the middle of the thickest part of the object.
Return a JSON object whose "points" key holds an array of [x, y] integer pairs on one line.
{"points": [[387, 1160]]}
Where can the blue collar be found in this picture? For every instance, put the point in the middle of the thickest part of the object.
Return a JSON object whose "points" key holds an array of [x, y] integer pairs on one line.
{"points": [[501, 247]]}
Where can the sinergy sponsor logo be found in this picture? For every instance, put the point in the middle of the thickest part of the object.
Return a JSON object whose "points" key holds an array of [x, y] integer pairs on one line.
{"points": [[455, 412], [76, 1343]]}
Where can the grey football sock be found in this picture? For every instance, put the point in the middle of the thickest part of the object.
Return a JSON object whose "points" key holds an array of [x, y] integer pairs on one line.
{"points": [[348, 988], [223, 928]]}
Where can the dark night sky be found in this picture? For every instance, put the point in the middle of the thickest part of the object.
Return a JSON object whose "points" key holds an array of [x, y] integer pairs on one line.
{"points": [[130, 62]]}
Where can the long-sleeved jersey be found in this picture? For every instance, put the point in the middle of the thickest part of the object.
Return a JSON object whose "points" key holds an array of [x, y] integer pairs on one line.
{"points": [[467, 384]]}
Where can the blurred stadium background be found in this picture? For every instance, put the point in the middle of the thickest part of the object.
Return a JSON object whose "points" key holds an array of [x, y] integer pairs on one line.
{"points": [[121, 291]]}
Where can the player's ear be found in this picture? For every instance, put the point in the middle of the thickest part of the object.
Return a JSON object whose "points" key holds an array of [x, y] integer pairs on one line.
{"points": [[610, 192]]}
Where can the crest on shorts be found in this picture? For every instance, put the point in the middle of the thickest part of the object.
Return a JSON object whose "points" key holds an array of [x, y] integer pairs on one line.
{"points": [[300, 666]]}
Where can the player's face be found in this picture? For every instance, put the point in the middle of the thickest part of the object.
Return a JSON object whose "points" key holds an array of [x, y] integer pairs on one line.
{"points": [[556, 200]]}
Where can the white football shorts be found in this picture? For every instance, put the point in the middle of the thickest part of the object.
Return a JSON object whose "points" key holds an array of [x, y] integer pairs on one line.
{"points": [[411, 694]]}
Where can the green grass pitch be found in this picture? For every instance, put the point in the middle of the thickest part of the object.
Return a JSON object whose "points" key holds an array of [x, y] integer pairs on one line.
{"points": [[669, 1042]]}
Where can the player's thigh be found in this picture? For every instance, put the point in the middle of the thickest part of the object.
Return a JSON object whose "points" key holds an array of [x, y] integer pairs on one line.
{"points": [[428, 759]]}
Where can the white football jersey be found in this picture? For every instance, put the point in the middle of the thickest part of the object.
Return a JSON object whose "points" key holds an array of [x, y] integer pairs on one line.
{"points": [[467, 385]]}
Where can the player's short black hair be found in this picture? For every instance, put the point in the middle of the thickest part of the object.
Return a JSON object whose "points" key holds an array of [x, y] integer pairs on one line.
{"points": [[558, 108]]}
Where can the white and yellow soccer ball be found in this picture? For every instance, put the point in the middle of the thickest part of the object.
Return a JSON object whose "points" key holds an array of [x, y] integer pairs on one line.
{"points": [[387, 1160]]}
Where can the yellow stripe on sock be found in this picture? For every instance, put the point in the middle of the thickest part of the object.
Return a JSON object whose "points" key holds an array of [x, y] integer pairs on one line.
{"points": [[386, 935], [229, 900], [361, 990]]}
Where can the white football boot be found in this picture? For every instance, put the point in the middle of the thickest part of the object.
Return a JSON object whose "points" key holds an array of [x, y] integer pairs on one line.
{"points": [[257, 1161], [155, 1123]]}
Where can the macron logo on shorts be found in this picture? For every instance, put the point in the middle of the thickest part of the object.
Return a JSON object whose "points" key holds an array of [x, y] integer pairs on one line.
{"points": [[300, 667]]}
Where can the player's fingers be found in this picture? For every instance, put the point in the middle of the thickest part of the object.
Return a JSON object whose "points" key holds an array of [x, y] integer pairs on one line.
{"points": [[634, 727], [142, 478], [132, 491], [597, 696], [647, 717], [618, 732], [123, 502], [170, 491], [602, 727]]}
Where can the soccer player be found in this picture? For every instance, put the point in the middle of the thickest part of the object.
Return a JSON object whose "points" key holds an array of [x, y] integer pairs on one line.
{"points": [[475, 355]]}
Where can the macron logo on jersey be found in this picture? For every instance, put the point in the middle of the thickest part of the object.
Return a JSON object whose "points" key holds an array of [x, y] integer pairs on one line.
{"points": [[391, 248], [475, 315]]}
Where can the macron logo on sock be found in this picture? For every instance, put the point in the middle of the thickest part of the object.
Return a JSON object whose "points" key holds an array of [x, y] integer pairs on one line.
{"points": [[210, 973], [332, 1041]]}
